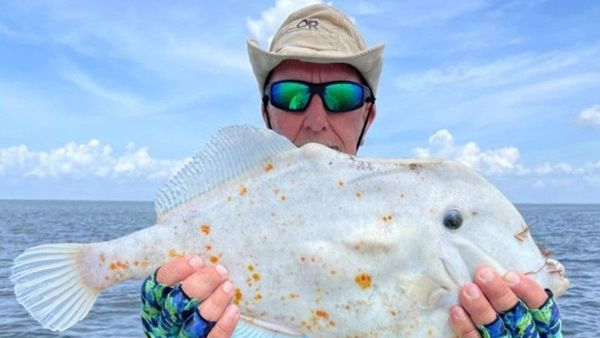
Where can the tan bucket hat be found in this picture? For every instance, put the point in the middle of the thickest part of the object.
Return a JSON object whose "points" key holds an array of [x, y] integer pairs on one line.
{"points": [[320, 34]]}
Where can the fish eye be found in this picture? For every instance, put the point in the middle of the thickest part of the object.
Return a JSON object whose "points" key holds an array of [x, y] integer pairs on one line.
{"points": [[453, 219]]}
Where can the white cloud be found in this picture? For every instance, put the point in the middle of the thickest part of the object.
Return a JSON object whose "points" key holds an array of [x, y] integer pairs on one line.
{"points": [[264, 28], [505, 162], [92, 159], [14, 157], [491, 162], [558, 168], [590, 116]]}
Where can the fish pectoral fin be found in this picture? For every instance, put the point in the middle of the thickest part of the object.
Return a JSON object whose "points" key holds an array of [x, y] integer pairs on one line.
{"points": [[425, 292], [249, 327]]}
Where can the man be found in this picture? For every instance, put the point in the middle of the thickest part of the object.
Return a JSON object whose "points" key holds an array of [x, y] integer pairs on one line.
{"points": [[319, 82]]}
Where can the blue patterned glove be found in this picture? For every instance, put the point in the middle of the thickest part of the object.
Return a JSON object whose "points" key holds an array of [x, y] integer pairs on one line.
{"points": [[169, 312], [521, 322]]}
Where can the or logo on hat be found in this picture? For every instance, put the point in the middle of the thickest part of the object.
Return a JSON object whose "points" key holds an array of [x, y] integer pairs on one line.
{"points": [[308, 24]]}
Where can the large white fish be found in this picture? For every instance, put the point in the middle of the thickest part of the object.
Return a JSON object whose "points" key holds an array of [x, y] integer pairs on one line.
{"points": [[318, 242]]}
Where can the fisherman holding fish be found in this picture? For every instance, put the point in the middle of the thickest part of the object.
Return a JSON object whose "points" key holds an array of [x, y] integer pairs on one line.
{"points": [[398, 254], [318, 82]]}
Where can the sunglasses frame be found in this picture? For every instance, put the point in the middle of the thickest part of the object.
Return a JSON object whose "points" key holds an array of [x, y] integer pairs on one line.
{"points": [[318, 88]]}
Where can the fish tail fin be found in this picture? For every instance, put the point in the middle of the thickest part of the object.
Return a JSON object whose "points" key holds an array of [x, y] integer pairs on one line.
{"points": [[50, 283]]}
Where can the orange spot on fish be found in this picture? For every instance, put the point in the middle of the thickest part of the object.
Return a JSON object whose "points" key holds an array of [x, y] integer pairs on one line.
{"points": [[394, 313], [250, 267], [358, 194], [268, 167], [294, 296], [237, 296], [243, 191], [303, 259], [387, 218], [102, 258], [256, 276], [175, 253], [205, 229], [322, 314], [363, 280], [283, 197], [214, 259], [116, 265], [340, 183], [208, 247], [258, 296], [313, 259], [331, 323]]}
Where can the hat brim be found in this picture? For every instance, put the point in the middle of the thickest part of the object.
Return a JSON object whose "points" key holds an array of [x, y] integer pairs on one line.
{"points": [[368, 62]]}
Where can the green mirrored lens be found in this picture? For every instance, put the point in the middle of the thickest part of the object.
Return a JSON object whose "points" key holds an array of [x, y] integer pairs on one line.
{"points": [[290, 95], [343, 96]]}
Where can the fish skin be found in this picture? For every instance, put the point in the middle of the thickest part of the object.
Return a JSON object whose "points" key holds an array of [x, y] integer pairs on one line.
{"points": [[327, 244]]}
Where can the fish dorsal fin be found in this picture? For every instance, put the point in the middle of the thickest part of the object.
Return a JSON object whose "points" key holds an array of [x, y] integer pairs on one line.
{"points": [[229, 152]]}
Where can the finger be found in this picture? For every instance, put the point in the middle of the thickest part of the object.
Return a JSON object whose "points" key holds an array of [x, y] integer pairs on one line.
{"points": [[495, 289], [226, 324], [178, 269], [526, 289], [462, 324], [212, 308], [203, 282], [476, 305]]}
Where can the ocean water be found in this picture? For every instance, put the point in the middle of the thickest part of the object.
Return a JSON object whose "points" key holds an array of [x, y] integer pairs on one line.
{"points": [[571, 232]]}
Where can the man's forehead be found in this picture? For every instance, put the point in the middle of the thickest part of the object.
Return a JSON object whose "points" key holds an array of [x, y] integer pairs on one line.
{"points": [[307, 70]]}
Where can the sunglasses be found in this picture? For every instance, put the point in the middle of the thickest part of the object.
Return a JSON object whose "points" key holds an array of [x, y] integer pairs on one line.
{"points": [[337, 97]]}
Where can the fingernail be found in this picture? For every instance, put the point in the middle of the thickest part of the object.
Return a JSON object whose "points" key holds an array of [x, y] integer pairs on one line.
{"points": [[196, 262], [221, 270], [472, 291], [458, 313], [512, 278], [486, 275], [227, 287]]}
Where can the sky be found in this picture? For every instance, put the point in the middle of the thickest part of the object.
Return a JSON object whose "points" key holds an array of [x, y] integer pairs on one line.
{"points": [[104, 100]]}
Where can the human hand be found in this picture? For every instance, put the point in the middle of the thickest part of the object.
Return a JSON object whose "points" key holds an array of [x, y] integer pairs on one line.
{"points": [[170, 299], [510, 306]]}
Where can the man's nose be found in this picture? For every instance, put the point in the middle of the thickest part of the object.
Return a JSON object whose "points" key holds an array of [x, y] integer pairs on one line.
{"points": [[316, 115]]}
